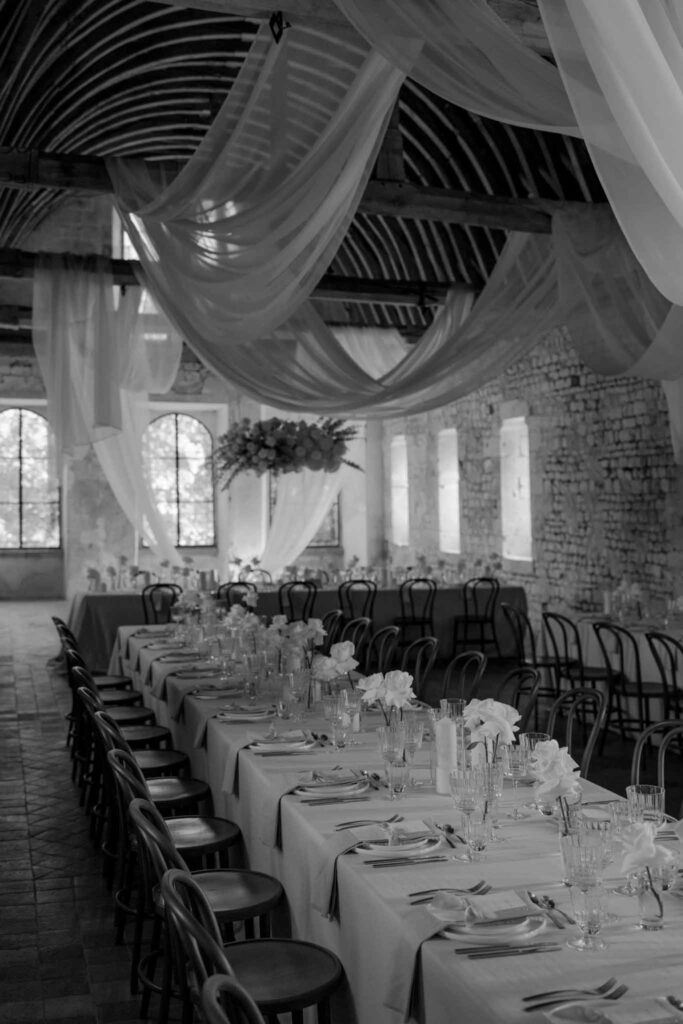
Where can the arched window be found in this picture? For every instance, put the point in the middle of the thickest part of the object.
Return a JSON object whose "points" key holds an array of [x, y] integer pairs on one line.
{"points": [[515, 487], [175, 451], [29, 489]]}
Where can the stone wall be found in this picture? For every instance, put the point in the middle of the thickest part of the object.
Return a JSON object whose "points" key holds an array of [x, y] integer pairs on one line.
{"points": [[604, 484]]}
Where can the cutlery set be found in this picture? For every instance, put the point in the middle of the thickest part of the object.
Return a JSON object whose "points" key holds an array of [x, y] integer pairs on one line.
{"points": [[534, 1003], [427, 895]]}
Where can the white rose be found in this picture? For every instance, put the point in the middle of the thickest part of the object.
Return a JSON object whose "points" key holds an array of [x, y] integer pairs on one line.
{"points": [[399, 689], [373, 688]]}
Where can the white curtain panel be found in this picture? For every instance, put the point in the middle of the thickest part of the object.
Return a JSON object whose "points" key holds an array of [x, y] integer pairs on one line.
{"points": [[622, 65], [98, 368], [468, 55]]}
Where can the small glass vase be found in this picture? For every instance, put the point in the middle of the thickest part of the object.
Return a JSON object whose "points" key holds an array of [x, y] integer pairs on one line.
{"points": [[565, 810], [650, 905]]}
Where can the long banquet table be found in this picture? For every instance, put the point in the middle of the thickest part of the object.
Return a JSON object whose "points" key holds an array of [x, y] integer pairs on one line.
{"points": [[377, 933]]}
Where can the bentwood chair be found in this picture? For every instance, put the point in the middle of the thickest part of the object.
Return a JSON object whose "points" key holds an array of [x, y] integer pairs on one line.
{"points": [[380, 653], [416, 598], [564, 642], [282, 976], [418, 659], [229, 594], [629, 694], [235, 896], [526, 650], [520, 688], [357, 631], [225, 1001], [463, 676], [357, 599], [573, 710], [475, 628], [667, 652], [665, 733], [332, 625], [157, 601], [296, 599]]}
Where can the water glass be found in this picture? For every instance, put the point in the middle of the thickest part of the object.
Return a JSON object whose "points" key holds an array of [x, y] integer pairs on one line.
{"points": [[583, 856], [528, 740], [392, 742], [477, 834], [396, 771], [467, 790], [646, 803], [341, 728]]}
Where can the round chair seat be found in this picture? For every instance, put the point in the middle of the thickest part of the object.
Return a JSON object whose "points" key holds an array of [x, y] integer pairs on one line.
{"points": [[107, 682], [284, 974], [154, 763], [171, 795], [140, 737], [199, 836], [134, 715], [232, 893], [119, 698]]}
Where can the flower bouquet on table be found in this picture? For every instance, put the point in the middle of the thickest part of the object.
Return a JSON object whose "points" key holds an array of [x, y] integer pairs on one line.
{"points": [[388, 691], [340, 662], [650, 868], [491, 724], [558, 785]]}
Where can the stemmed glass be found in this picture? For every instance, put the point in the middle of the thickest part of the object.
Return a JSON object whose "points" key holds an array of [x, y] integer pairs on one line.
{"points": [[516, 766], [583, 856], [392, 741], [469, 794]]}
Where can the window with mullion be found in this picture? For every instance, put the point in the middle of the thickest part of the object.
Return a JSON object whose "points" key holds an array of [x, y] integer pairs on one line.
{"points": [[29, 489]]}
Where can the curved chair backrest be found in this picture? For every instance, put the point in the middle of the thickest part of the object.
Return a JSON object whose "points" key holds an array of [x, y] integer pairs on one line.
{"points": [[418, 659], [522, 633], [357, 598], [564, 641], [78, 672], [417, 596], [64, 632], [358, 632], [463, 675], [233, 593], [481, 596], [332, 624], [130, 782], [224, 1001], [297, 599], [520, 688], [667, 732], [257, 576], [667, 652], [620, 651], [381, 650], [194, 929], [573, 705], [154, 840], [157, 601]]}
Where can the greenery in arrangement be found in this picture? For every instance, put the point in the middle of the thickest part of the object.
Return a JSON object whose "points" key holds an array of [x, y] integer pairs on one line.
{"points": [[282, 446]]}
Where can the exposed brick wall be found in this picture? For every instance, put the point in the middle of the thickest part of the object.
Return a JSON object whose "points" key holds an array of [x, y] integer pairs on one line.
{"points": [[604, 483]]}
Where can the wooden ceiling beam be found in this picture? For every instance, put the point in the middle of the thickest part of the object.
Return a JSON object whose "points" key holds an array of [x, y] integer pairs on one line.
{"points": [[23, 169], [16, 263]]}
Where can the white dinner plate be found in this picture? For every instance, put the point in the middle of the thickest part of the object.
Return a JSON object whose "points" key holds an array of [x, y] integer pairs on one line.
{"points": [[584, 1011], [285, 747], [421, 845], [326, 789], [248, 715], [217, 694], [492, 931], [180, 656], [168, 645], [197, 673]]}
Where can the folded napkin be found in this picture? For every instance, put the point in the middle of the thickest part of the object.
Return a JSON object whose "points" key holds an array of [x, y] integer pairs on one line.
{"points": [[453, 908], [282, 784], [418, 925], [324, 891]]}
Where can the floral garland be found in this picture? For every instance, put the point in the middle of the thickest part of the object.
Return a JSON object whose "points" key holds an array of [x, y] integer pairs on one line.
{"points": [[282, 446]]}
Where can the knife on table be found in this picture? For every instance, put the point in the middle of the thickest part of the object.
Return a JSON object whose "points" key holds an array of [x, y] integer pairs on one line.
{"points": [[321, 801]]}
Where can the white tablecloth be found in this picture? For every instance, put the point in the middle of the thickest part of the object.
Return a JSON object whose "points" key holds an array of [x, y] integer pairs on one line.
{"points": [[373, 933]]}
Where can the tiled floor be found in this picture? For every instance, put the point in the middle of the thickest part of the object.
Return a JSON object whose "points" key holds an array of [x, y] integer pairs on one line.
{"points": [[58, 961]]}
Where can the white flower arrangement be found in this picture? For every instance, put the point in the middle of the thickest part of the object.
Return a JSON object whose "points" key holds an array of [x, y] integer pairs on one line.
{"points": [[339, 662], [282, 446], [491, 723], [643, 857], [556, 773], [390, 690]]}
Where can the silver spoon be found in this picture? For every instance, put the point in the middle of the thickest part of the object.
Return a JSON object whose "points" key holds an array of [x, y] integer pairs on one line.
{"points": [[549, 904]]}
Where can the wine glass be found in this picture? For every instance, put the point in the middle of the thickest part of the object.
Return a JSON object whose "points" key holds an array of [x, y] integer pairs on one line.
{"points": [[588, 906], [467, 790], [516, 769]]}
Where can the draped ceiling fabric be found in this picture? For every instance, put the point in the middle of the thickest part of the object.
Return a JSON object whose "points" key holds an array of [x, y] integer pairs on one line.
{"points": [[98, 367]]}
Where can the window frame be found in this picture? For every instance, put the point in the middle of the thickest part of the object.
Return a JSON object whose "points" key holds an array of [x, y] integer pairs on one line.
{"points": [[37, 407]]}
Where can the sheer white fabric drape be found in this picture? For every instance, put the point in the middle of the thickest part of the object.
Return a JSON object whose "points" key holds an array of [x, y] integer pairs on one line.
{"points": [[97, 367]]}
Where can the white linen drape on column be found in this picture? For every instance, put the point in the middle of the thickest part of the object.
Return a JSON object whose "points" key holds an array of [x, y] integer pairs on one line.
{"points": [[97, 367]]}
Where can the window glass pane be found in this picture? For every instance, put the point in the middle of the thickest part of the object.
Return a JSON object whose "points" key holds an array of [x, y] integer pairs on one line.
{"points": [[39, 526], [515, 483], [400, 521], [176, 449], [9, 433], [9, 479], [9, 525], [30, 513], [449, 490]]}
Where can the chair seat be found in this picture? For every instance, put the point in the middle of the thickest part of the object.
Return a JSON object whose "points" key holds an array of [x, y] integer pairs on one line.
{"points": [[141, 736], [631, 689], [108, 682], [130, 715], [119, 698], [161, 762], [231, 892], [592, 673], [284, 974], [173, 795], [201, 836], [411, 620]]}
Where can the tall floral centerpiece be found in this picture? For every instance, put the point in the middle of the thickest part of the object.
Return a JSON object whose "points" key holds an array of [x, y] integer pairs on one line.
{"points": [[282, 446], [389, 691], [652, 866], [558, 784], [490, 724], [325, 668]]}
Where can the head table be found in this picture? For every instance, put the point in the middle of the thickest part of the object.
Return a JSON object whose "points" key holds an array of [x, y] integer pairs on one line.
{"points": [[339, 899], [95, 617]]}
